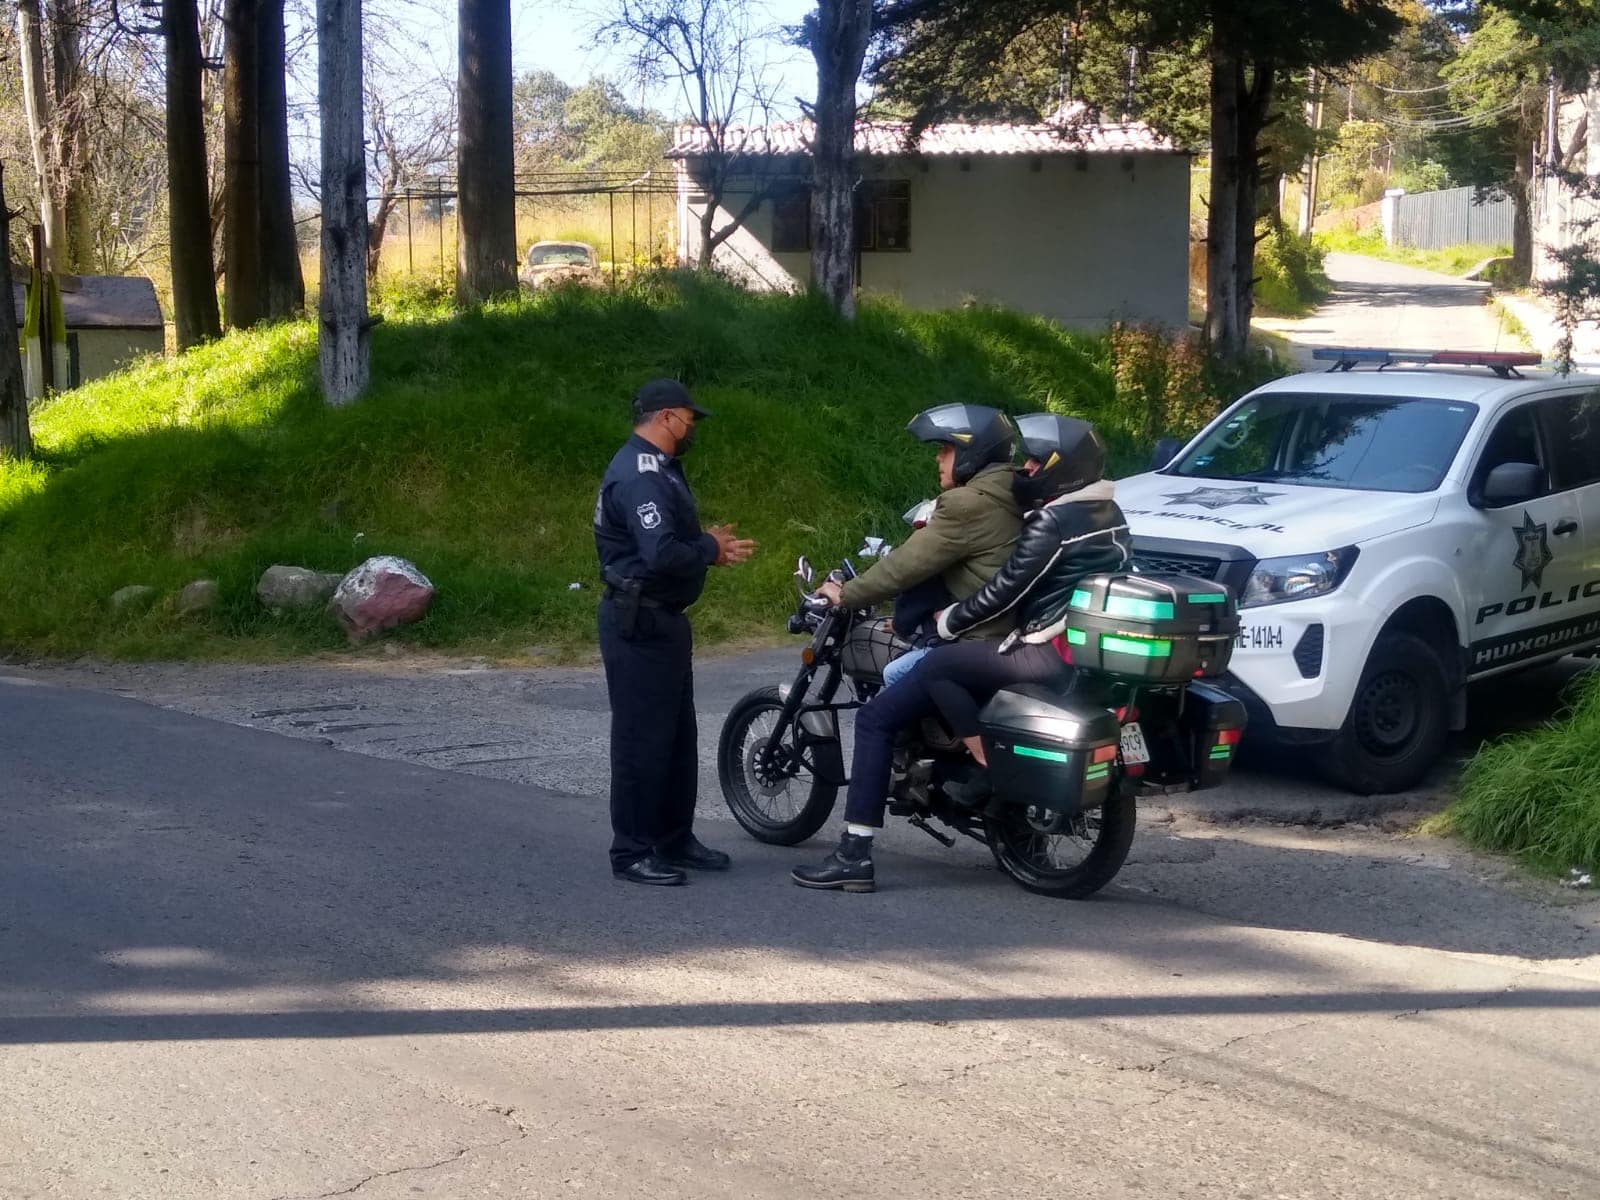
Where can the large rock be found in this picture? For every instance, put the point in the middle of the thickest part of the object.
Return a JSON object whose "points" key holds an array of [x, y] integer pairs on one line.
{"points": [[382, 593], [130, 599], [202, 595], [291, 589]]}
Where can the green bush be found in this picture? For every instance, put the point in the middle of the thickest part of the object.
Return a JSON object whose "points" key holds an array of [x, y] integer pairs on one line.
{"points": [[1289, 278], [1537, 795], [477, 451]]}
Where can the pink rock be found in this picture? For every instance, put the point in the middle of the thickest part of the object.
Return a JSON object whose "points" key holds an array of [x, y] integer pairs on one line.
{"points": [[382, 593]]}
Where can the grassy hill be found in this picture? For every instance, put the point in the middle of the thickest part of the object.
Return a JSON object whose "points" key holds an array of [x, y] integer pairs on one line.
{"points": [[477, 452]]}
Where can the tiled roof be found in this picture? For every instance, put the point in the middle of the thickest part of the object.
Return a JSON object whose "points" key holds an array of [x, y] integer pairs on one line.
{"points": [[1068, 134]]}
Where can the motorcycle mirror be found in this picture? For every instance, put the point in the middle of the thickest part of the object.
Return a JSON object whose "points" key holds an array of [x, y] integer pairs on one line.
{"points": [[803, 571]]}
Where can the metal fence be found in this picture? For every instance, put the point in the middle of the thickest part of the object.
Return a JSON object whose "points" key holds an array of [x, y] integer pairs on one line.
{"points": [[1433, 220]]}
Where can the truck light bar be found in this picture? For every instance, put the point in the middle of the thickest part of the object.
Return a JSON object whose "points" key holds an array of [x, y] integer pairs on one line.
{"points": [[1503, 363]]}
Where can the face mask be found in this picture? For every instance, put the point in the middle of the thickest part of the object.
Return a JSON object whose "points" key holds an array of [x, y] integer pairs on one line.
{"points": [[685, 443]]}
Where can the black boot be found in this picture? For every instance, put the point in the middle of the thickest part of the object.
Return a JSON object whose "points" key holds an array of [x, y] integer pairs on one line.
{"points": [[848, 868], [968, 785]]}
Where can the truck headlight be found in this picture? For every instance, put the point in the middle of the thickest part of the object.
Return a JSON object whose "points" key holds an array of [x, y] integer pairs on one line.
{"points": [[1297, 577]]}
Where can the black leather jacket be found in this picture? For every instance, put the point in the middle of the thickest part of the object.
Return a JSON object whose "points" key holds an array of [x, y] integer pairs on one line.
{"points": [[1083, 533]]}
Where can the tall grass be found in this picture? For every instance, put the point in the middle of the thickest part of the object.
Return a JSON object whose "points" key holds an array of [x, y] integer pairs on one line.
{"points": [[477, 453], [1537, 795]]}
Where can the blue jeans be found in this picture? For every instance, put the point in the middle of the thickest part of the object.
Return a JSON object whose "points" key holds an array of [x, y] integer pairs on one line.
{"points": [[897, 667]]}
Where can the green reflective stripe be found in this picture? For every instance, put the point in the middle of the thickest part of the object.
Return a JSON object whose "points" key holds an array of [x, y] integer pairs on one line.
{"points": [[1208, 598], [1141, 647], [1150, 610], [1222, 752], [1035, 752], [1099, 772], [1077, 637], [1080, 599]]}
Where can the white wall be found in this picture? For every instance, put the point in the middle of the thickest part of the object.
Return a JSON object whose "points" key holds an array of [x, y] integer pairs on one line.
{"points": [[1081, 239]]}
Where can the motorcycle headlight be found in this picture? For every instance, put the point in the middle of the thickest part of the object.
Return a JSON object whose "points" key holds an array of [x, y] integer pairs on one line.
{"points": [[1297, 577]]}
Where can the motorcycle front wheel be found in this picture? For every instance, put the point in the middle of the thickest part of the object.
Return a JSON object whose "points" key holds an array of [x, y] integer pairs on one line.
{"points": [[1069, 865], [781, 802]]}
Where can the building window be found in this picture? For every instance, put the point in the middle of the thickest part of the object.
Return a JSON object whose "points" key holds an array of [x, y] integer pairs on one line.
{"points": [[883, 215], [791, 221]]}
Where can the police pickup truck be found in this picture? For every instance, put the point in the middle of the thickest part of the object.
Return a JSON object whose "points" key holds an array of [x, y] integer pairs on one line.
{"points": [[1395, 528]]}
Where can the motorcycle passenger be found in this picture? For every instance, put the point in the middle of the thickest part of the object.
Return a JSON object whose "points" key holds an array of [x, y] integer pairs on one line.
{"points": [[1073, 528]]}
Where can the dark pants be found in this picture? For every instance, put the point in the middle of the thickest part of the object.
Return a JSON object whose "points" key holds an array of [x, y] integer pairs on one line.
{"points": [[954, 680], [655, 768]]}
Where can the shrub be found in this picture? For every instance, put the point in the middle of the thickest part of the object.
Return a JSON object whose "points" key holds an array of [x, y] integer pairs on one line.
{"points": [[1289, 278]]}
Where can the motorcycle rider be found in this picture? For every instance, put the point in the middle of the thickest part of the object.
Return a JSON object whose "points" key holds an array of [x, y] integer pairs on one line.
{"points": [[975, 520], [1073, 528]]}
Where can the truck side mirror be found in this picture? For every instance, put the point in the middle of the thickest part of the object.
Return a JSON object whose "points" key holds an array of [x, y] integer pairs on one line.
{"points": [[1166, 450], [1512, 483]]}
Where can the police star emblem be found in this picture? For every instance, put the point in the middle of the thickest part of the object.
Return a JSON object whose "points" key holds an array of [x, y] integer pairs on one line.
{"points": [[649, 515], [1533, 551], [1215, 498]]}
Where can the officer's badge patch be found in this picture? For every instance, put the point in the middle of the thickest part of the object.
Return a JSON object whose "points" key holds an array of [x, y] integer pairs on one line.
{"points": [[649, 462], [649, 514]]}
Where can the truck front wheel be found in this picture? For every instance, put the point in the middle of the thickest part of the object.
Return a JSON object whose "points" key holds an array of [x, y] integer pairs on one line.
{"points": [[1398, 721]]}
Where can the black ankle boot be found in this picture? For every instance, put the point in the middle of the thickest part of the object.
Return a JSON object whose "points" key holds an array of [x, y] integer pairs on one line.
{"points": [[848, 868], [968, 785]]}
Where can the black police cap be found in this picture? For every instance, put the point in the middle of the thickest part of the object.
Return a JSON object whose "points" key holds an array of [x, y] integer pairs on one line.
{"points": [[665, 393]]}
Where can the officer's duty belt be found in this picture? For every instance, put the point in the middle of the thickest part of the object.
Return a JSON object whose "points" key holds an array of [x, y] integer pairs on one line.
{"points": [[621, 596]]}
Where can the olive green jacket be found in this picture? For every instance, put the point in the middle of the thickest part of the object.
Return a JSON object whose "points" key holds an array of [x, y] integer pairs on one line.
{"points": [[965, 542]]}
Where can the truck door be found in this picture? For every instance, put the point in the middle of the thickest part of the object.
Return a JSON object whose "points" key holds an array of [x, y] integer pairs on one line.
{"points": [[1572, 422], [1528, 556]]}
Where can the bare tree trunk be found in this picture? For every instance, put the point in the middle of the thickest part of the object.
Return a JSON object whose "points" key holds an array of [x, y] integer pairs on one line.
{"points": [[1225, 328], [840, 31], [486, 253], [194, 284], [1522, 222], [283, 288], [67, 20], [384, 209], [241, 124], [343, 345], [15, 438], [36, 98], [708, 219], [1254, 104]]}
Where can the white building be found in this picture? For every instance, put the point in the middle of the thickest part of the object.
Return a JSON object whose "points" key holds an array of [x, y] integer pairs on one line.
{"points": [[1078, 221]]}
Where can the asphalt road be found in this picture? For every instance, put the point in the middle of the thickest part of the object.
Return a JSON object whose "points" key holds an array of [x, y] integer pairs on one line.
{"points": [[234, 964], [1377, 303]]}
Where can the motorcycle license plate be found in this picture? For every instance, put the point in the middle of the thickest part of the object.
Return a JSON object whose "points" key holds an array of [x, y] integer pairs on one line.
{"points": [[1134, 750]]}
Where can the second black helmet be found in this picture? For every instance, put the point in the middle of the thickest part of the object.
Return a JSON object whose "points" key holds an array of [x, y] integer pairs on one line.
{"points": [[1071, 455], [981, 435]]}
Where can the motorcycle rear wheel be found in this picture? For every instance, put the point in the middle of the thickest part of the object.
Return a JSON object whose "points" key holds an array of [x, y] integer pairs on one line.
{"points": [[1067, 866], [783, 809]]}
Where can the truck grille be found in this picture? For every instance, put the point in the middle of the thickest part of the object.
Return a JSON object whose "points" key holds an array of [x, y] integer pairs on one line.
{"points": [[1173, 564]]}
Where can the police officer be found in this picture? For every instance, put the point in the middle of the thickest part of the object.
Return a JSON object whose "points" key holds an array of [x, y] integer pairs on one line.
{"points": [[653, 559]]}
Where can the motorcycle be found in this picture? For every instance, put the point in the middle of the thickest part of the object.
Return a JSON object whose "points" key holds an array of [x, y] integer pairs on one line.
{"points": [[1057, 805]]}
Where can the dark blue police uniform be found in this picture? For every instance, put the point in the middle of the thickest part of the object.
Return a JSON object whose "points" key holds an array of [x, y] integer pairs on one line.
{"points": [[647, 530]]}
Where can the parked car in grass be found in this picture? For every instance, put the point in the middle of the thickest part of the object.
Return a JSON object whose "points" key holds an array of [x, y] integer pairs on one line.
{"points": [[549, 263], [1392, 535]]}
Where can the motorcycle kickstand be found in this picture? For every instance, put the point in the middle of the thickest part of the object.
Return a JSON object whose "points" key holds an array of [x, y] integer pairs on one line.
{"points": [[922, 824]]}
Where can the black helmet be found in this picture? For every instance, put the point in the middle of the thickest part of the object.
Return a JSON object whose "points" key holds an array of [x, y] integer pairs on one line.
{"points": [[1071, 454], [981, 435]]}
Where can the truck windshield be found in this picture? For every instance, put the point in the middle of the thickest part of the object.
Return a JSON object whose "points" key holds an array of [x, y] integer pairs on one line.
{"points": [[1366, 443]]}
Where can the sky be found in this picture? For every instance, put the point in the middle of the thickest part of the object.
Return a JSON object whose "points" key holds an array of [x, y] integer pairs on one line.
{"points": [[557, 35]]}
